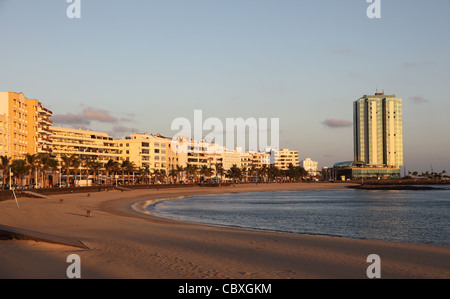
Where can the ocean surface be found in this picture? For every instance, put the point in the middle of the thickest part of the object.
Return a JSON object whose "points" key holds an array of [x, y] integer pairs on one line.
{"points": [[412, 216]]}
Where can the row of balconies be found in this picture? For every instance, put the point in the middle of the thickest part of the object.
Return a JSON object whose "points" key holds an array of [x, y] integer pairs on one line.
{"points": [[83, 145], [70, 152]]}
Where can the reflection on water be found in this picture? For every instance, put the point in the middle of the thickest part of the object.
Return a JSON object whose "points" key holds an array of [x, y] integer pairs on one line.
{"points": [[415, 216]]}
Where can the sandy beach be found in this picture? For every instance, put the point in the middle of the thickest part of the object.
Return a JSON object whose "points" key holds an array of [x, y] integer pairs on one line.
{"points": [[124, 243]]}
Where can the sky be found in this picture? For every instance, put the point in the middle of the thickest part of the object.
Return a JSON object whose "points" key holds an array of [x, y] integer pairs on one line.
{"points": [[136, 66]]}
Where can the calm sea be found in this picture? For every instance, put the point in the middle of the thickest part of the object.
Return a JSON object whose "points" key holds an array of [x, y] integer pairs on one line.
{"points": [[413, 216]]}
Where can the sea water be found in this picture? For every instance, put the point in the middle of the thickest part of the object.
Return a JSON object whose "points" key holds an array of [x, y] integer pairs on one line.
{"points": [[412, 216]]}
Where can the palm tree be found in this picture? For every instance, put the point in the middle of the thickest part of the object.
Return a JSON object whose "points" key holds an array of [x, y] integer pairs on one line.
{"points": [[180, 171], [128, 167], [111, 167], [173, 174], [44, 164], [95, 166], [53, 164], [32, 162], [69, 162], [131, 167], [140, 172], [195, 170], [273, 172], [291, 172], [19, 167], [189, 169], [76, 163], [263, 171], [234, 173], [66, 164], [147, 173], [205, 171], [244, 173], [87, 165], [4, 166], [253, 172], [218, 169], [159, 174]]}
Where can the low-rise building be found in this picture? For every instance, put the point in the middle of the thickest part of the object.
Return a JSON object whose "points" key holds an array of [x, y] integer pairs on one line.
{"points": [[350, 170]]}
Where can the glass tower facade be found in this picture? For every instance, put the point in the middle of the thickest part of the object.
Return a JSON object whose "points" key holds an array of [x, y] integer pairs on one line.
{"points": [[378, 130]]}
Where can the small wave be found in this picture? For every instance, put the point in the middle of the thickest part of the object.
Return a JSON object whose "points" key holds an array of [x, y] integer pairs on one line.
{"points": [[142, 206]]}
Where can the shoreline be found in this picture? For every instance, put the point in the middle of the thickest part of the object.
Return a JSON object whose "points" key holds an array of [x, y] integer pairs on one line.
{"points": [[141, 207], [125, 243]]}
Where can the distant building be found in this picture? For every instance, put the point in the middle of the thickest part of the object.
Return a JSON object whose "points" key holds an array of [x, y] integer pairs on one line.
{"points": [[349, 170], [281, 158], [310, 166]]}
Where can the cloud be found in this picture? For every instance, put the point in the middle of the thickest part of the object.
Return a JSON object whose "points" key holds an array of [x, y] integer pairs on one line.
{"points": [[69, 118], [99, 115], [342, 51], [418, 99], [85, 117], [123, 129], [408, 65], [337, 123]]}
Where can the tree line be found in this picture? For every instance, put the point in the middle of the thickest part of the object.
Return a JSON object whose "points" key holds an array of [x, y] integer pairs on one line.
{"points": [[44, 170]]}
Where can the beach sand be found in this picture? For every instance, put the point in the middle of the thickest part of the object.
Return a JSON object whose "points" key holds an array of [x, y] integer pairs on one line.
{"points": [[124, 243]]}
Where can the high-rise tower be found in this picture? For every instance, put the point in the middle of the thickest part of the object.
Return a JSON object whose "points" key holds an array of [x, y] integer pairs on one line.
{"points": [[378, 130]]}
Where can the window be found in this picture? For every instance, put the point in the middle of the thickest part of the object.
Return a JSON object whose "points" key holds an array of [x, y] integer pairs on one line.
{"points": [[145, 144]]}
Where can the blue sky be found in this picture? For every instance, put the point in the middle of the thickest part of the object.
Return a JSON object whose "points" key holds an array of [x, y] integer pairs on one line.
{"points": [[134, 65]]}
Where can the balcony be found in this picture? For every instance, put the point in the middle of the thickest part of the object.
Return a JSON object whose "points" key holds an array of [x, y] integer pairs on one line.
{"points": [[44, 131], [45, 111], [45, 121]]}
